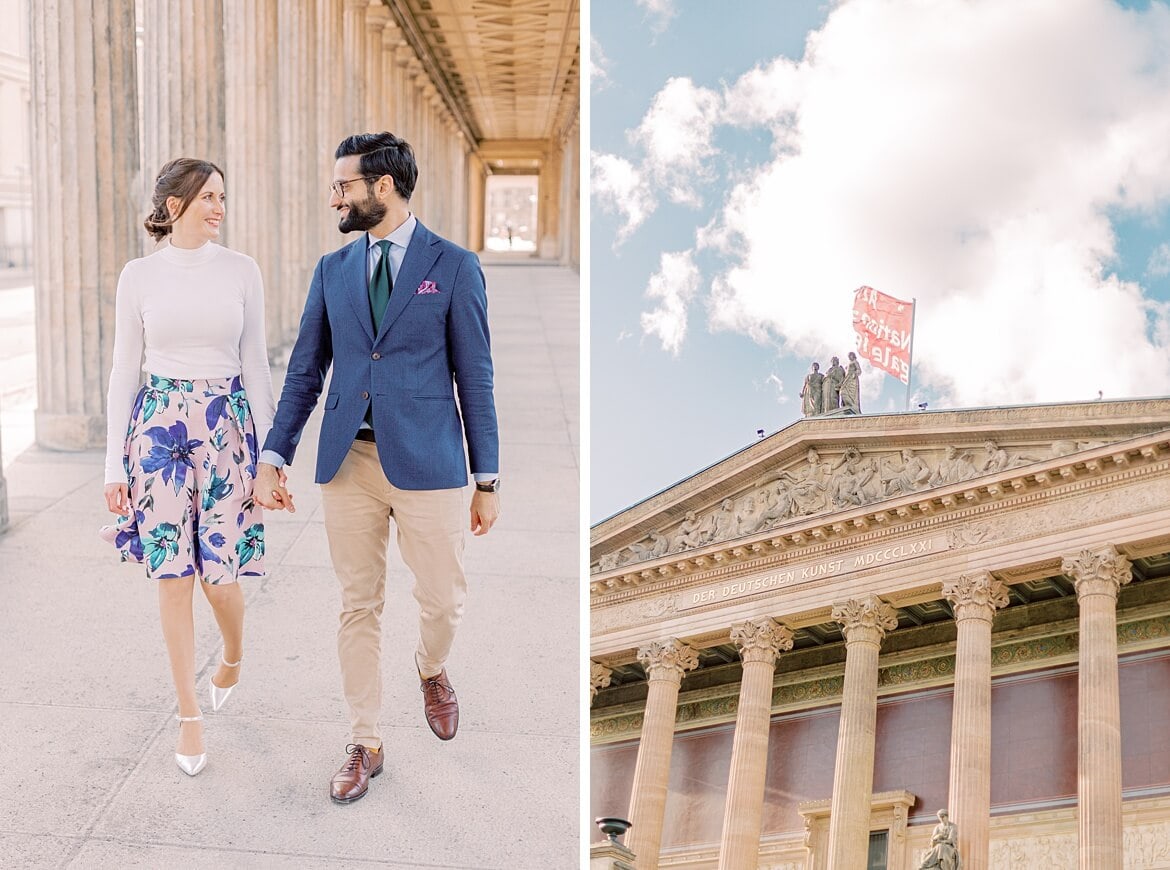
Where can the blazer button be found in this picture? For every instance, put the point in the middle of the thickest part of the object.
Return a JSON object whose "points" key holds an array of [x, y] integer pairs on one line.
{"points": [[365, 395], [375, 355]]}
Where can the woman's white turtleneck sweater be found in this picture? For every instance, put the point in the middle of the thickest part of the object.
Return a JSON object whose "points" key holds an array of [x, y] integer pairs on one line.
{"points": [[187, 313]]}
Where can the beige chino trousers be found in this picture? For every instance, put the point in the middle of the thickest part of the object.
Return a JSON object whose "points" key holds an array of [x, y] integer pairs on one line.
{"points": [[359, 502]]}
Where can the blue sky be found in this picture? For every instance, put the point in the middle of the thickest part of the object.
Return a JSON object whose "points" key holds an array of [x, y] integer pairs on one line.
{"points": [[1007, 163]]}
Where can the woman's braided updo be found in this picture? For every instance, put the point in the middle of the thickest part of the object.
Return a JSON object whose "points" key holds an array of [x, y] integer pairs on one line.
{"points": [[183, 179]]}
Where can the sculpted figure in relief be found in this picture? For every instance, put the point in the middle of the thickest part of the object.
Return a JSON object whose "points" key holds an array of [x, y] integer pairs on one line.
{"points": [[608, 562], [650, 547], [851, 386], [944, 846], [912, 476], [777, 504], [834, 379], [723, 522], [750, 518], [995, 459], [809, 490], [854, 480], [812, 403], [954, 467], [689, 533]]}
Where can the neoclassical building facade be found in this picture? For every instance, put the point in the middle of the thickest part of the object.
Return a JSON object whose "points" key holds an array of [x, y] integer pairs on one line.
{"points": [[800, 654]]}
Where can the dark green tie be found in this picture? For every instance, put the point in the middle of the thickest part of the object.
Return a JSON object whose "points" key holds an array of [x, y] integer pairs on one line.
{"points": [[380, 285]]}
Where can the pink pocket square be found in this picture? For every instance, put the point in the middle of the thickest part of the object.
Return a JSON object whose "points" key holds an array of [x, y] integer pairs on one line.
{"points": [[427, 287]]}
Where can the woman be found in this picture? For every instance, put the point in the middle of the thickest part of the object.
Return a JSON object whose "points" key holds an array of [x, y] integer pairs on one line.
{"points": [[181, 448], [851, 386]]}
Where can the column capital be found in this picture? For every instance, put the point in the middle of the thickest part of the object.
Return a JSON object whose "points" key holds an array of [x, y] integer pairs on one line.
{"points": [[975, 596], [668, 659], [761, 640], [599, 678], [865, 619], [1097, 572], [376, 15]]}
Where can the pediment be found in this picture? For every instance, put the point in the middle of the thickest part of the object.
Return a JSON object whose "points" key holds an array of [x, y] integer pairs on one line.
{"points": [[818, 468]]}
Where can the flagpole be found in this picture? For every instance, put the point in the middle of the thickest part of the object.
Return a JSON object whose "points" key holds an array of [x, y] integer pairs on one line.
{"points": [[910, 372]]}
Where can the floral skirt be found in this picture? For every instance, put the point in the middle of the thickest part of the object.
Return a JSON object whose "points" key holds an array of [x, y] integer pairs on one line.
{"points": [[190, 460]]}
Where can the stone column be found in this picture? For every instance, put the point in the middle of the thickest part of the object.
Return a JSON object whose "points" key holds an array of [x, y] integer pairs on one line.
{"points": [[974, 598], [599, 678], [665, 661], [254, 179], [403, 54], [759, 642], [864, 623], [183, 50], [3, 495], [1098, 576], [351, 72], [87, 205], [376, 17], [331, 123]]}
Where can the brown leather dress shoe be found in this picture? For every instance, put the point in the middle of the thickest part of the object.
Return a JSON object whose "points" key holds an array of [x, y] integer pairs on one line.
{"points": [[440, 705], [353, 780]]}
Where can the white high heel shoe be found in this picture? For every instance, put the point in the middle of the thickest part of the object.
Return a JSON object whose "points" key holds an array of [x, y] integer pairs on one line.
{"points": [[191, 764], [219, 695]]}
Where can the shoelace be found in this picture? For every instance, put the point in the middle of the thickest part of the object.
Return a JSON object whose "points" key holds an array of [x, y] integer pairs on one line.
{"points": [[357, 754], [433, 688]]}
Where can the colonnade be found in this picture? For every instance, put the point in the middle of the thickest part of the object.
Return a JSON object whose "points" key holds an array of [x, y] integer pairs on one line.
{"points": [[1098, 576], [265, 90]]}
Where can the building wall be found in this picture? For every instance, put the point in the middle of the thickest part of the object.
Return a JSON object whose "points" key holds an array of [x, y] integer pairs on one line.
{"points": [[15, 157]]}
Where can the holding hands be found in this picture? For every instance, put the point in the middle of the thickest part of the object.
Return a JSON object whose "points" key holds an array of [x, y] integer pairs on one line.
{"points": [[270, 490]]}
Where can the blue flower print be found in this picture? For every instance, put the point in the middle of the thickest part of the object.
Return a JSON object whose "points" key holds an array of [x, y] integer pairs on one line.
{"points": [[162, 545], [152, 400], [251, 546], [171, 453], [218, 488], [208, 544]]}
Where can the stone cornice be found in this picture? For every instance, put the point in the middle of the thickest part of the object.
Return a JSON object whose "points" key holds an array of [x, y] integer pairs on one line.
{"points": [[1109, 465]]}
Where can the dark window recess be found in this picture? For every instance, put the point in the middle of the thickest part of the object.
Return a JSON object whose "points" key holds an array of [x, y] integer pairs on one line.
{"points": [[879, 845]]}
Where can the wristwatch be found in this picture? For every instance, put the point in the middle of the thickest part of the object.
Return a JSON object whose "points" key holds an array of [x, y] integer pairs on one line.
{"points": [[488, 485]]}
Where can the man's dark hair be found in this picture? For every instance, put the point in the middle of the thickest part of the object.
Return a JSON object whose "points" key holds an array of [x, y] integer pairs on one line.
{"points": [[382, 154]]}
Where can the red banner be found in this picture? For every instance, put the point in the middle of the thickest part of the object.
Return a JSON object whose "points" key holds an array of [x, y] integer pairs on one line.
{"points": [[884, 327]]}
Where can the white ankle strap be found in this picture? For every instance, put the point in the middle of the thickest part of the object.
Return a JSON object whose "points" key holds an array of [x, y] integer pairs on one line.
{"points": [[229, 664], [198, 718]]}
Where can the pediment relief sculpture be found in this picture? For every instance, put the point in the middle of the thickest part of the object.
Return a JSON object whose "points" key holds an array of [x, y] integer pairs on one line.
{"points": [[816, 485]]}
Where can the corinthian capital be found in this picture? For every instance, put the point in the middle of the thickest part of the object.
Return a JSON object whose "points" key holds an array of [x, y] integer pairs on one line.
{"points": [[865, 619], [1097, 572], [761, 640], [599, 678], [667, 659], [975, 596]]}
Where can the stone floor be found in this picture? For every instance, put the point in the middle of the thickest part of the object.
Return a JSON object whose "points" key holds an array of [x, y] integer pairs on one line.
{"points": [[87, 777]]}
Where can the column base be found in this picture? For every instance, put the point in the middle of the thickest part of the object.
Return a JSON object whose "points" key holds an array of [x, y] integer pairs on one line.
{"points": [[70, 431], [610, 856]]}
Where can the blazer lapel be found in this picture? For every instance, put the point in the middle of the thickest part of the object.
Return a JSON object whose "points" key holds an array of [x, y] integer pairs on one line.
{"points": [[353, 272], [421, 254]]}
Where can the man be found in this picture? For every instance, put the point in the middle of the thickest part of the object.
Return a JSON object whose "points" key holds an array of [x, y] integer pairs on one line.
{"points": [[834, 379], [401, 314]]}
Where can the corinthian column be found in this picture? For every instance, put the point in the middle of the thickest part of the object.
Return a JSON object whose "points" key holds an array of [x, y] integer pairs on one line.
{"points": [[182, 42], [376, 17], [864, 623], [87, 205], [1099, 576], [759, 642], [599, 678], [665, 661], [974, 599], [354, 64]]}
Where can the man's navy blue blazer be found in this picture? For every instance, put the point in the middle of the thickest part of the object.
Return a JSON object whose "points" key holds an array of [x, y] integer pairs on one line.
{"points": [[430, 344]]}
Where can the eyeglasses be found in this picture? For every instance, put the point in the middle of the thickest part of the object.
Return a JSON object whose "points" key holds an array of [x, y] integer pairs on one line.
{"points": [[337, 188]]}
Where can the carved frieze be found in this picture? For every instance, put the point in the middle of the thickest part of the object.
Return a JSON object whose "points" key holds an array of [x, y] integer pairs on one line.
{"points": [[817, 485]]}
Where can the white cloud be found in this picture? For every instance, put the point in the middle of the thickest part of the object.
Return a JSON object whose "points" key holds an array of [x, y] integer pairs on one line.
{"points": [[1159, 263], [676, 136], [618, 186], [778, 385], [660, 12], [599, 78], [969, 155], [672, 286]]}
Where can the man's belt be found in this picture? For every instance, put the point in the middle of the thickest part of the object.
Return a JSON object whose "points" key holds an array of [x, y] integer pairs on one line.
{"points": [[364, 435]]}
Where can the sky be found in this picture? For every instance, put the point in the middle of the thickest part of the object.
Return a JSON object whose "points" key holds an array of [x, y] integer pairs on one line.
{"points": [[1004, 163]]}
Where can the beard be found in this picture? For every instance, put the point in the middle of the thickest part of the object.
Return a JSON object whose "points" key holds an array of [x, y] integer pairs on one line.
{"points": [[362, 216]]}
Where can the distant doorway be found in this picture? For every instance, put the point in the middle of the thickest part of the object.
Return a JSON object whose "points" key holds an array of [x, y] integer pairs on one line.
{"points": [[510, 218]]}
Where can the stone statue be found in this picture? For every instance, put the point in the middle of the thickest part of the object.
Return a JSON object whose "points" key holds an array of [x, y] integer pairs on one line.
{"points": [[995, 459], [834, 378], [656, 546], [944, 846], [751, 517], [954, 468], [609, 561], [777, 504], [689, 533], [854, 480], [911, 477], [809, 491], [851, 386], [811, 394]]}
